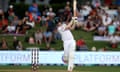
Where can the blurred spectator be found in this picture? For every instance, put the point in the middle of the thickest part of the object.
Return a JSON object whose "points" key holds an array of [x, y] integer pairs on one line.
{"points": [[10, 10], [101, 12], [3, 19], [11, 17], [106, 19], [44, 15], [93, 12], [81, 45], [28, 16], [51, 13], [50, 24], [35, 12], [68, 3], [43, 19], [45, 9], [105, 7], [38, 36], [17, 44], [96, 3], [86, 9], [97, 20], [4, 29], [28, 20], [114, 41], [19, 47], [116, 21], [31, 40], [108, 2], [1, 16], [118, 30], [9, 29], [89, 25], [30, 23], [67, 13], [15, 21], [4, 44], [4, 23], [118, 11], [80, 19], [111, 29], [101, 30], [47, 37], [11, 13], [19, 28], [1, 11], [57, 34]]}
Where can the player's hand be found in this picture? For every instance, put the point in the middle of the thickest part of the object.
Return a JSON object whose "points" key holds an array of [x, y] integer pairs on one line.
{"points": [[75, 20]]}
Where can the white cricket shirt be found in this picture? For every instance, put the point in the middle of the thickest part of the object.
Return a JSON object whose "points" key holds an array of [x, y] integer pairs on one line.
{"points": [[65, 33]]}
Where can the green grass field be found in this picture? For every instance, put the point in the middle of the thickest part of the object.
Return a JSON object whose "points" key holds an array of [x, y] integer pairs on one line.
{"points": [[60, 69]]}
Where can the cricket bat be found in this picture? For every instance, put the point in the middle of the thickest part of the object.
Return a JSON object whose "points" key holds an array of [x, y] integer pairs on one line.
{"points": [[74, 11], [74, 8]]}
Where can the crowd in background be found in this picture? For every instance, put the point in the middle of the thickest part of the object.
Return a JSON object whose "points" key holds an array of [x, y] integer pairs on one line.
{"points": [[91, 17]]}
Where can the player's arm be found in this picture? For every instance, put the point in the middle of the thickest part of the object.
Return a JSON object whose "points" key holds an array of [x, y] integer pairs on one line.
{"points": [[71, 25], [68, 26]]}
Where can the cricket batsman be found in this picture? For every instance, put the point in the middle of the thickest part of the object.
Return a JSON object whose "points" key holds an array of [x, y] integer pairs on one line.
{"points": [[69, 42]]}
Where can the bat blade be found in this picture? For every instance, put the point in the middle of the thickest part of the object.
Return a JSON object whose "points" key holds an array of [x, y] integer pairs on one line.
{"points": [[74, 8]]}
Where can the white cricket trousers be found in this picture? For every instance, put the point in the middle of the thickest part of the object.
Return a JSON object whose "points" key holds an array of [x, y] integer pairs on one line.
{"points": [[69, 50]]}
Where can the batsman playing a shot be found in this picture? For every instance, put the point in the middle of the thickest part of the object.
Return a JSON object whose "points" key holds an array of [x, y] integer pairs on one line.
{"points": [[68, 42]]}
